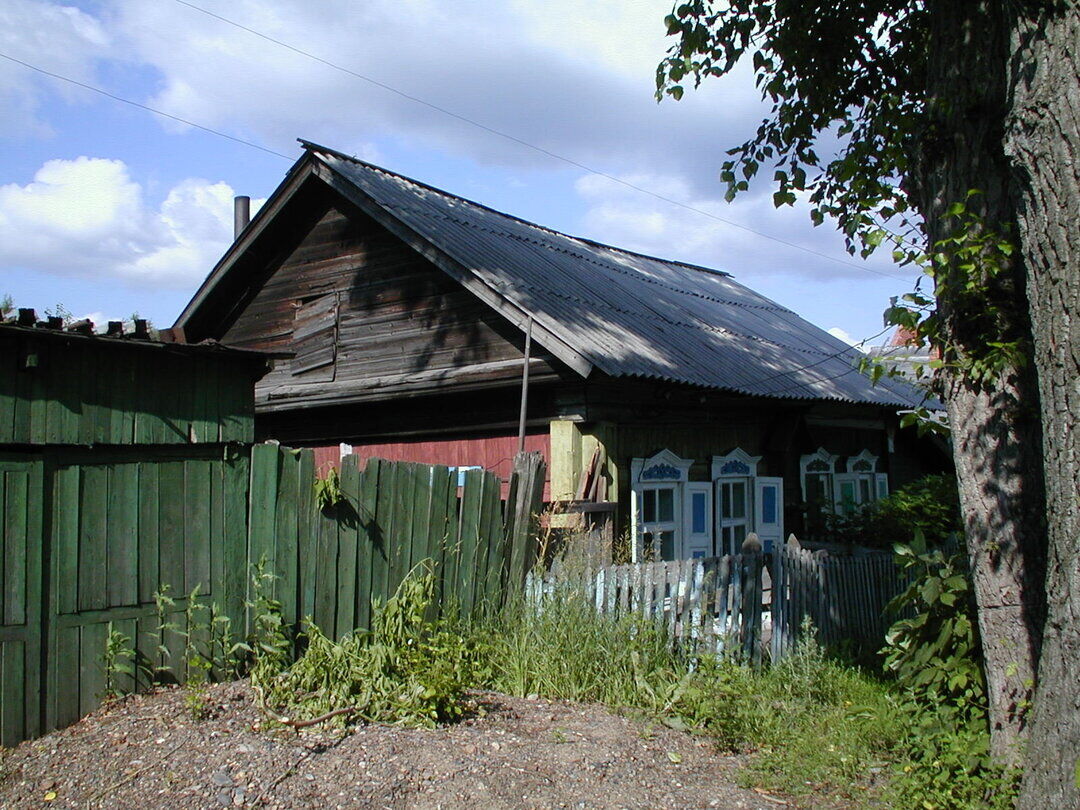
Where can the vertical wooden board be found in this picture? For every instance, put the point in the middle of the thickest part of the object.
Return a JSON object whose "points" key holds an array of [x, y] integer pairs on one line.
{"points": [[39, 402], [93, 534], [66, 538], [217, 532], [382, 525], [122, 556], [449, 600], [401, 523], [421, 530], [438, 525], [236, 472], [307, 545], [286, 526], [493, 543], [14, 488], [365, 542], [347, 516], [468, 539], [148, 487], [145, 642], [197, 473], [265, 463], [326, 581], [12, 693], [91, 672], [171, 497]]}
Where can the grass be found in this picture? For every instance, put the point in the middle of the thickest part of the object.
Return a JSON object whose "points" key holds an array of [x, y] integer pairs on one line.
{"points": [[815, 728]]}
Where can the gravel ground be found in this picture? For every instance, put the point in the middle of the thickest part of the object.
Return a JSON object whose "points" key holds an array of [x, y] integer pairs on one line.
{"points": [[147, 752]]}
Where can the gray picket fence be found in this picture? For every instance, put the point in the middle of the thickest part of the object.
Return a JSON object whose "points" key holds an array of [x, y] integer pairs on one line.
{"points": [[739, 604], [712, 604]]}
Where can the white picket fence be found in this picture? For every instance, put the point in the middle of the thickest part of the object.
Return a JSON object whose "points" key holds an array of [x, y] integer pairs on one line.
{"points": [[712, 604]]}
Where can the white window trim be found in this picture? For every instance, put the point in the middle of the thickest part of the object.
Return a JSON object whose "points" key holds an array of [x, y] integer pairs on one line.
{"points": [[664, 470], [865, 456], [821, 454]]}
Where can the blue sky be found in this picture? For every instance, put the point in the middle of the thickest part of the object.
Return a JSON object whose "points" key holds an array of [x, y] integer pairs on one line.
{"points": [[108, 209]]}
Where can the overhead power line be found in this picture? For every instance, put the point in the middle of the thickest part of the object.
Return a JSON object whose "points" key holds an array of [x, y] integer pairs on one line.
{"points": [[155, 111], [527, 144]]}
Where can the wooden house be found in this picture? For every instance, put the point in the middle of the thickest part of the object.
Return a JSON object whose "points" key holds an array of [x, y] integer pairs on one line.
{"points": [[414, 314]]}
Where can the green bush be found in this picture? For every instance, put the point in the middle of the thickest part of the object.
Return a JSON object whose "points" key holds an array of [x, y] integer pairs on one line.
{"points": [[930, 505], [403, 671], [943, 761]]}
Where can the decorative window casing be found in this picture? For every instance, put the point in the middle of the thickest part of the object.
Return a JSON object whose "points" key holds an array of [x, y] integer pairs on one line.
{"points": [[745, 502], [861, 484], [816, 472], [657, 490]]}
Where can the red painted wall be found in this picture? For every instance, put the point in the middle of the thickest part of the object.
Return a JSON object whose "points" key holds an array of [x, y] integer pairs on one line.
{"points": [[495, 453]]}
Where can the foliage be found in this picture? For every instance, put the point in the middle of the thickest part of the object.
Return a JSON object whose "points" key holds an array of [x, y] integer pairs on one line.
{"points": [[930, 505], [328, 492], [564, 649], [403, 671], [935, 655], [118, 661], [944, 756], [847, 82]]}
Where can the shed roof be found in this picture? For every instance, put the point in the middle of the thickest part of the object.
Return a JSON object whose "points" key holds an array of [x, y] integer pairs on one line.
{"points": [[597, 306]]}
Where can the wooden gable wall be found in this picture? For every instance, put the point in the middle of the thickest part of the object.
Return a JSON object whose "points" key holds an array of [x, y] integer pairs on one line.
{"points": [[358, 305]]}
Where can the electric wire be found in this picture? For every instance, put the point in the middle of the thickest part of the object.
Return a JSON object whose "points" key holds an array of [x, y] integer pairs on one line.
{"points": [[521, 142], [145, 107]]}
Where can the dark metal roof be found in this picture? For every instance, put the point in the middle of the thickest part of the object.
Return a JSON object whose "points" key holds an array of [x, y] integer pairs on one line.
{"points": [[628, 314]]}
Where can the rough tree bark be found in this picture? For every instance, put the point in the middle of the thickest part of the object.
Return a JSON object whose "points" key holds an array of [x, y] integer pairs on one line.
{"points": [[995, 427], [1043, 142]]}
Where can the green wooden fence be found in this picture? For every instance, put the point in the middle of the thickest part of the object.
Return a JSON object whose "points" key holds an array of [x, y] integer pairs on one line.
{"points": [[332, 563], [88, 536]]}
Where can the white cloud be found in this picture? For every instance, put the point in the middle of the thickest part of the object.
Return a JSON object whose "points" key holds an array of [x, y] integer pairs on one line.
{"points": [[88, 217], [837, 332], [60, 39]]}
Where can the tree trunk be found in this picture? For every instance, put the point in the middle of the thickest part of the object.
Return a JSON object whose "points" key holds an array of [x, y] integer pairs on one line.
{"points": [[1043, 141], [996, 435]]}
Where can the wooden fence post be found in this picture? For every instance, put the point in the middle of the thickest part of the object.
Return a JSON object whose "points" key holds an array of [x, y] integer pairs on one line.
{"points": [[750, 631], [525, 497]]}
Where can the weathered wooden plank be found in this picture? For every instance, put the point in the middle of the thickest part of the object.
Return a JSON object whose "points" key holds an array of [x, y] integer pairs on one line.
{"points": [[382, 526], [306, 537], [345, 620], [469, 539], [171, 527], [286, 533], [197, 525], [401, 533], [12, 693], [262, 504], [438, 529], [91, 673], [326, 571], [236, 477], [122, 573], [147, 544], [493, 542], [93, 533], [366, 538]]}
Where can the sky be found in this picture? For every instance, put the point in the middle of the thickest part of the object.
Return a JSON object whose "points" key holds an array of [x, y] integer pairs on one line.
{"points": [[107, 209]]}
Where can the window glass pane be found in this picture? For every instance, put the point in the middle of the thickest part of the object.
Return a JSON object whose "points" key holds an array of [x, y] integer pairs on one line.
{"points": [[738, 499], [864, 490], [665, 509], [768, 504], [667, 544], [727, 535], [698, 504], [725, 501], [648, 506], [697, 554]]}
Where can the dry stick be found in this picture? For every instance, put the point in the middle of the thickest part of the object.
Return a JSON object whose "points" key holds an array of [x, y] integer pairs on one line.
{"points": [[132, 775], [299, 724]]}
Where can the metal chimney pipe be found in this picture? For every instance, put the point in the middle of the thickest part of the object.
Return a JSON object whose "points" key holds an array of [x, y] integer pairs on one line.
{"points": [[241, 215]]}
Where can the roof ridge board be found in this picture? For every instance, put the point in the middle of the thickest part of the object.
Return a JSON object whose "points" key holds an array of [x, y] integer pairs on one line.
{"points": [[771, 306], [314, 147]]}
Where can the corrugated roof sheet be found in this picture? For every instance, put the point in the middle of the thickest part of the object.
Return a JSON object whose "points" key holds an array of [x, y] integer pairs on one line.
{"points": [[630, 315]]}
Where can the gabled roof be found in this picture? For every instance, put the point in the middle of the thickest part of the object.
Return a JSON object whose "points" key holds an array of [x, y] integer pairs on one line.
{"points": [[596, 306]]}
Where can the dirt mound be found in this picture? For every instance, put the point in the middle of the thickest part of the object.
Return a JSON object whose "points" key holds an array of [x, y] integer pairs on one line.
{"points": [[148, 752]]}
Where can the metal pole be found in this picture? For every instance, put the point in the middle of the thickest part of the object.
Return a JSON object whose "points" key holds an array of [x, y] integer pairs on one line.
{"points": [[525, 387]]}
